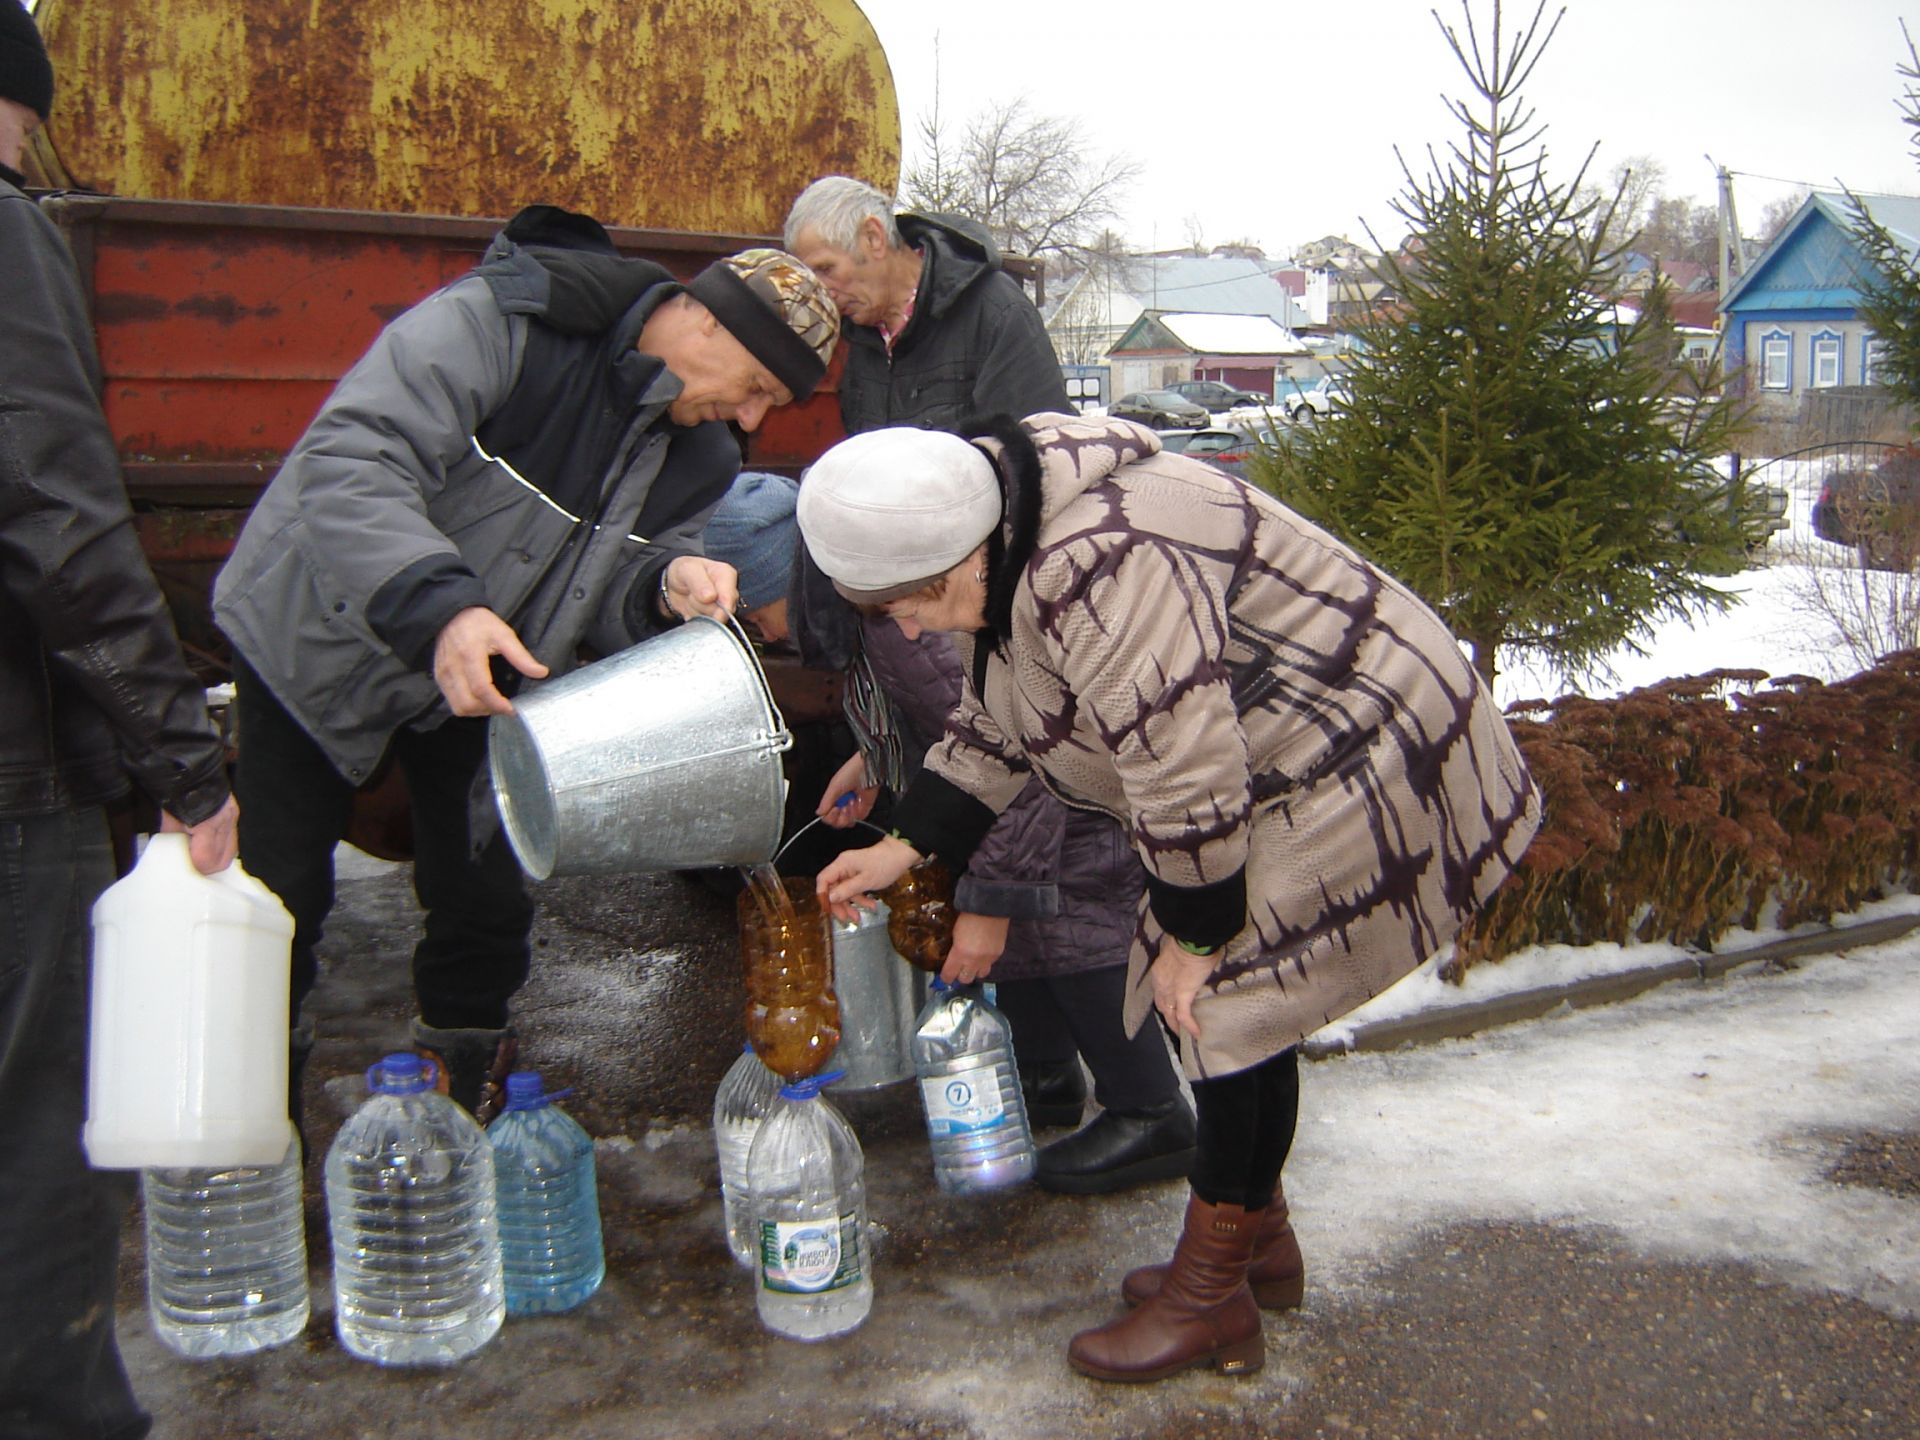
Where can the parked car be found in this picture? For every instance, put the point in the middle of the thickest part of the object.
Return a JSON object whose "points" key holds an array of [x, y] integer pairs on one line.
{"points": [[1225, 449], [1162, 409], [1216, 395], [1323, 397], [1874, 509]]}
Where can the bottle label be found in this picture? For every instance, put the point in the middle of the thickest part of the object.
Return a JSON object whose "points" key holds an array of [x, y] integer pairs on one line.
{"points": [[963, 1102], [809, 1257]]}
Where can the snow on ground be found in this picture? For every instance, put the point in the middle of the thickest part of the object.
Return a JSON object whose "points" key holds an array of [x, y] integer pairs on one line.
{"points": [[1687, 1125]]}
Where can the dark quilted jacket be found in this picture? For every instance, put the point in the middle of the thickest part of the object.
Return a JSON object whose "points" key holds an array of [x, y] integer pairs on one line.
{"points": [[1067, 877]]}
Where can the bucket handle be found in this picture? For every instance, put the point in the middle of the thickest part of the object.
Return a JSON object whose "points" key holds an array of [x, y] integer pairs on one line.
{"points": [[782, 737], [809, 825]]}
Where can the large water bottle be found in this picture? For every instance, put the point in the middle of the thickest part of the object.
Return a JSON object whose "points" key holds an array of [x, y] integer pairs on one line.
{"points": [[549, 1208], [226, 1256], [187, 1035], [747, 1092], [970, 1091], [410, 1204], [809, 1196]]}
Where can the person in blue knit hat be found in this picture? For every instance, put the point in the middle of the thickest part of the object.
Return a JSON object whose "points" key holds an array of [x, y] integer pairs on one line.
{"points": [[753, 530]]}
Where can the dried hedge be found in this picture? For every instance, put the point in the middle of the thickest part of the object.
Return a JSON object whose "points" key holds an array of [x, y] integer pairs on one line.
{"points": [[1703, 804]]}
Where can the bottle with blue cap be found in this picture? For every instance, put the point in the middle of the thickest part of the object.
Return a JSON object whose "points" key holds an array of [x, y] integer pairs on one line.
{"points": [[548, 1204], [970, 1092], [747, 1092], [805, 1173], [410, 1205]]}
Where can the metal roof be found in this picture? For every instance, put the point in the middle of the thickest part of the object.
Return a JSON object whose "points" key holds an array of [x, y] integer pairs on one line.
{"points": [[1816, 248]]}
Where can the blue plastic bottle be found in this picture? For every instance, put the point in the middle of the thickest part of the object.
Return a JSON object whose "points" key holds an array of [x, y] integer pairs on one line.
{"points": [[549, 1208]]}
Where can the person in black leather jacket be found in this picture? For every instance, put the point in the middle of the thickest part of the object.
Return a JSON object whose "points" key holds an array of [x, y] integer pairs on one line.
{"points": [[92, 689]]}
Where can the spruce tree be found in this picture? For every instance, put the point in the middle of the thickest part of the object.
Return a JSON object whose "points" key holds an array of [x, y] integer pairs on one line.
{"points": [[1546, 479], [1890, 295]]}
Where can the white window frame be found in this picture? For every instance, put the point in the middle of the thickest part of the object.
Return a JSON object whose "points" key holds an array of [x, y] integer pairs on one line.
{"points": [[1826, 361], [1873, 354], [1776, 360]]}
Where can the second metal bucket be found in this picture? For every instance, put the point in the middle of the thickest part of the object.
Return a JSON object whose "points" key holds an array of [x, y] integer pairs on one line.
{"points": [[665, 756], [877, 1003]]}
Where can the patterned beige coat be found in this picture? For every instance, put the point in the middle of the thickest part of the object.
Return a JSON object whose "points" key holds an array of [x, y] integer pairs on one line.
{"points": [[1302, 755]]}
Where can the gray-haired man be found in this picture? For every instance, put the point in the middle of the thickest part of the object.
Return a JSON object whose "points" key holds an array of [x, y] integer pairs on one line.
{"points": [[936, 330]]}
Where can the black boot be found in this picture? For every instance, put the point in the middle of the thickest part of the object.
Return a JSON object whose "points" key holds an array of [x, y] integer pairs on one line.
{"points": [[299, 1048], [1114, 1151], [1055, 1091], [474, 1064]]}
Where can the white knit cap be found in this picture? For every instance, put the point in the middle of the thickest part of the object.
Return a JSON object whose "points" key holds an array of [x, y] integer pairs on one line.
{"points": [[886, 513]]}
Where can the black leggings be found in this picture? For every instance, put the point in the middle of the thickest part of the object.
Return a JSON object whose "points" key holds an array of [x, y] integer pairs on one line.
{"points": [[1054, 1016], [1246, 1129]]}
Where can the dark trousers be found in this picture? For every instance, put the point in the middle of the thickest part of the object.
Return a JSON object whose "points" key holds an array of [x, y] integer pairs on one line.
{"points": [[294, 809], [60, 1370], [1053, 1016], [1246, 1125]]}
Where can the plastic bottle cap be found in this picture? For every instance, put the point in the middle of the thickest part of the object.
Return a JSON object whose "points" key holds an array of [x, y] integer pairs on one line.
{"points": [[402, 1073], [523, 1092], [810, 1087]]}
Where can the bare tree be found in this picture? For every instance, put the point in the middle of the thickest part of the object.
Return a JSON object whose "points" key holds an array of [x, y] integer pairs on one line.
{"points": [[1774, 218], [1033, 180], [1099, 271], [1871, 612], [1627, 200]]}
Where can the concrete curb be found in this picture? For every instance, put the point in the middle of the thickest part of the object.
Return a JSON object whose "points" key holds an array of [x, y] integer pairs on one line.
{"points": [[1456, 1022]]}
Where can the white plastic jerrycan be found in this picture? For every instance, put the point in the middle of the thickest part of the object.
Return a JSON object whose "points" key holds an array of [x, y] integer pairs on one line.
{"points": [[187, 1059]]}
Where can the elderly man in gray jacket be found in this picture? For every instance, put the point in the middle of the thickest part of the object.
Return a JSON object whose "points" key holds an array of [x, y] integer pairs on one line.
{"points": [[519, 467]]}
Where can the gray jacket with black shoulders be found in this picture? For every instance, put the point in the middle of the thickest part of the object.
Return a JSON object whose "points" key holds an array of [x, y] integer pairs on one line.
{"points": [[501, 444]]}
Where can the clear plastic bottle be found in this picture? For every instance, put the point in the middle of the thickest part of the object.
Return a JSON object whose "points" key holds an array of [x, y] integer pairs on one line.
{"points": [[970, 1091], [814, 1272], [226, 1256], [747, 1092], [410, 1204], [548, 1205]]}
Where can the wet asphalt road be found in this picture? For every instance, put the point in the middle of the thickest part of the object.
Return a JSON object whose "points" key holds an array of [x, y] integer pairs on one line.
{"points": [[1476, 1330]]}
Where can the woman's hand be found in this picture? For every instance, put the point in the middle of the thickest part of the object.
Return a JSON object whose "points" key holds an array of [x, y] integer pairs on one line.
{"points": [[849, 780], [977, 943], [855, 874], [1178, 976]]}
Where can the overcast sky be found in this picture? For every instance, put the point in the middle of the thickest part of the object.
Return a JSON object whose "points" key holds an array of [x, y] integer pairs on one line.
{"points": [[1276, 121]]}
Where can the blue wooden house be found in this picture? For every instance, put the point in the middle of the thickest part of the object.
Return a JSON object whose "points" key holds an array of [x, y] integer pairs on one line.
{"points": [[1791, 321]]}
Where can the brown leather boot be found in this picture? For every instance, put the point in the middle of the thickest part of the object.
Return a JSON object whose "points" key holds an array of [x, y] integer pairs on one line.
{"points": [[1277, 1276], [1203, 1314]]}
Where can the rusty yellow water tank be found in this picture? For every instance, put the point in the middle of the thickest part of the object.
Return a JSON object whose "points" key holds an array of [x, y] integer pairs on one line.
{"points": [[703, 115]]}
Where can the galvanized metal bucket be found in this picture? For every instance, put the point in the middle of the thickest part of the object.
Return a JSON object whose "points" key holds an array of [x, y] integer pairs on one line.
{"points": [[879, 995], [665, 756], [877, 1007]]}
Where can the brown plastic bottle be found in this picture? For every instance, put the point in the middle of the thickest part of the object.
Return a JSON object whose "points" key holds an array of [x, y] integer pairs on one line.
{"points": [[786, 954], [920, 918]]}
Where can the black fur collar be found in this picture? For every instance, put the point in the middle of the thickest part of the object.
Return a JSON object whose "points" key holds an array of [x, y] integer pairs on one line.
{"points": [[1016, 461]]}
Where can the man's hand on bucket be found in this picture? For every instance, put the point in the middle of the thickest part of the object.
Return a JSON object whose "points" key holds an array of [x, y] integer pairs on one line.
{"points": [[463, 661], [695, 585]]}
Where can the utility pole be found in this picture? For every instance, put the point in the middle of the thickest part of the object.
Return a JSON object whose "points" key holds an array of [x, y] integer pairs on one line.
{"points": [[1731, 259]]}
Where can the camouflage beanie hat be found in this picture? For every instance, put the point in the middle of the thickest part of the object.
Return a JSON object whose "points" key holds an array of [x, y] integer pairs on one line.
{"points": [[778, 309]]}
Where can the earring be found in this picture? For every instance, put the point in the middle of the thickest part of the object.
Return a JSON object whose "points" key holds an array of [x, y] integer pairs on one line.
{"points": [[980, 576]]}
